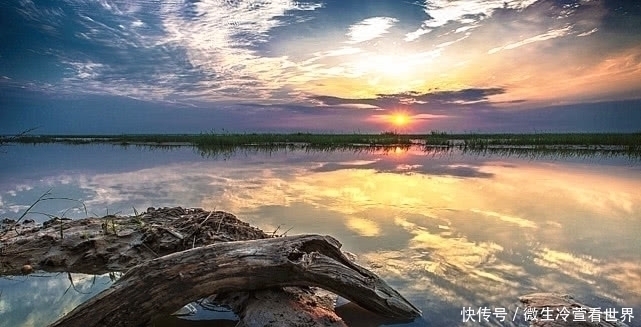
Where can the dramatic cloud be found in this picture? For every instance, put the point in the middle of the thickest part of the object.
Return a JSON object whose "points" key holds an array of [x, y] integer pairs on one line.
{"points": [[467, 13], [218, 38], [270, 58], [389, 101]]}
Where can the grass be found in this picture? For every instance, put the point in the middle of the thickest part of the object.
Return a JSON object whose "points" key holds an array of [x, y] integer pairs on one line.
{"points": [[552, 152], [222, 140], [629, 143], [215, 143], [44, 197], [575, 139]]}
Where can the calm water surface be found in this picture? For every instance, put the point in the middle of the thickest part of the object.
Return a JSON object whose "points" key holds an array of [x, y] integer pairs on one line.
{"points": [[447, 230]]}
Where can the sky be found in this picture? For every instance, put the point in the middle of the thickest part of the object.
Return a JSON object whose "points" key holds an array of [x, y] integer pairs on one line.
{"points": [[111, 67]]}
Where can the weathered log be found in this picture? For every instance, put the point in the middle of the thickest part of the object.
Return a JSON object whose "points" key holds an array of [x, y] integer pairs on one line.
{"points": [[165, 284], [550, 307], [117, 243]]}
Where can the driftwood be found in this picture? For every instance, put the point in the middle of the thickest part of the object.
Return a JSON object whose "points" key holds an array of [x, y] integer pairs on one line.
{"points": [[164, 279], [165, 284], [550, 305]]}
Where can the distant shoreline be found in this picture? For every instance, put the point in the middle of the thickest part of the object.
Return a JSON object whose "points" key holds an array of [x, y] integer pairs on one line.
{"points": [[621, 141]]}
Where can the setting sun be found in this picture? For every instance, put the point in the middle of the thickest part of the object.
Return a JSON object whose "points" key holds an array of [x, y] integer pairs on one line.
{"points": [[400, 119]]}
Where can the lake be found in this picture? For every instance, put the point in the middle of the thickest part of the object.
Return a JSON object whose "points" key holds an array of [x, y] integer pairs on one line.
{"points": [[447, 229]]}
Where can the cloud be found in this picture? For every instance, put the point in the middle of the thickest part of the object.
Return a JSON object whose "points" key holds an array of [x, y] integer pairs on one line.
{"points": [[340, 52], [370, 29], [101, 48], [518, 221], [388, 101], [85, 70], [220, 43], [466, 13], [391, 166], [387, 118], [214, 53], [536, 53], [319, 55], [429, 239], [38, 299], [552, 34], [167, 51], [362, 226], [590, 32]]}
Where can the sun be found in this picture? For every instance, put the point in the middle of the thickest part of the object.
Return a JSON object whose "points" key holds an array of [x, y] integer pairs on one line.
{"points": [[400, 119]]}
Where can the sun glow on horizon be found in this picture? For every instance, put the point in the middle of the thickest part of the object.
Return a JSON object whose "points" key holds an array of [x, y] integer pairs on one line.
{"points": [[400, 119]]}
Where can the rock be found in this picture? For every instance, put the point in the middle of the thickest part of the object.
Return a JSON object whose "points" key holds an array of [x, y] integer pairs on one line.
{"points": [[26, 269]]}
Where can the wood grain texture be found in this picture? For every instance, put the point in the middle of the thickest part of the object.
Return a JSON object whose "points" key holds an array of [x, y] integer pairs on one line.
{"points": [[165, 284]]}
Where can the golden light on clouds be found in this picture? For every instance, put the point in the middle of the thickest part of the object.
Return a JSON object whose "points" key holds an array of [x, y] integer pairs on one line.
{"points": [[363, 227], [512, 56], [278, 58], [423, 219]]}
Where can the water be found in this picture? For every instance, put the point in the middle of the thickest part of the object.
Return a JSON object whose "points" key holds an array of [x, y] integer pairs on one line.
{"points": [[448, 230]]}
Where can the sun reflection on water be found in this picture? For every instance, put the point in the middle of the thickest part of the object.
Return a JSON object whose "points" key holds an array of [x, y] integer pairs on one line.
{"points": [[447, 231]]}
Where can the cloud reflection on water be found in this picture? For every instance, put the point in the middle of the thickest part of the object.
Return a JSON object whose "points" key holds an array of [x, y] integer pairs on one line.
{"points": [[448, 231], [38, 299]]}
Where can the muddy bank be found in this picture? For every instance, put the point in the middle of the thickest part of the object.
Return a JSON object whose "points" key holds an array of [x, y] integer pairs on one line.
{"points": [[114, 243]]}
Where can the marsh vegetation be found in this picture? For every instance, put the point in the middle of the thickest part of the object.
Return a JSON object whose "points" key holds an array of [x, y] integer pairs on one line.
{"points": [[385, 138], [226, 144]]}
